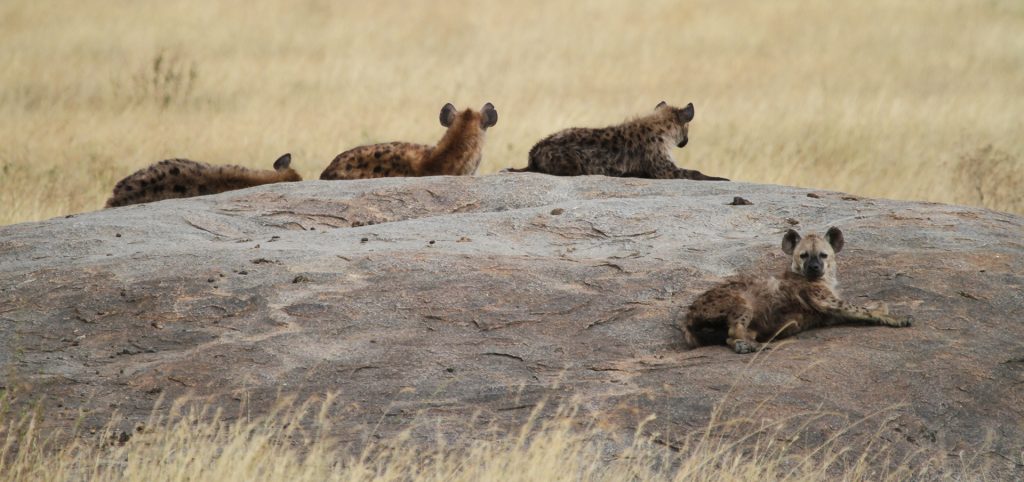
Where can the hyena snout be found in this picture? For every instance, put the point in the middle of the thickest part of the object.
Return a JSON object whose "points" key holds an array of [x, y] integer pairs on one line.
{"points": [[814, 268], [683, 142]]}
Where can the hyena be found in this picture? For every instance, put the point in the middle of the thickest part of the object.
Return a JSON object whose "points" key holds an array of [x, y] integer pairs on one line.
{"points": [[178, 178], [458, 153], [640, 147], [748, 311]]}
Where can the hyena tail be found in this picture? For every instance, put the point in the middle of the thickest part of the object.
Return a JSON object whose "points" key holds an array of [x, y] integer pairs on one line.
{"points": [[698, 331], [694, 175], [512, 169], [692, 341], [691, 331]]}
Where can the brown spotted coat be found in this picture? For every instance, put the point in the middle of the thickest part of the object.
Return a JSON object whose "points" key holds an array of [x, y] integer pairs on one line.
{"points": [[179, 178], [637, 148], [458, 153]]}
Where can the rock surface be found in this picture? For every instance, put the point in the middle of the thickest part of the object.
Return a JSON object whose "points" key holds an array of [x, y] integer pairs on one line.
{"points": [[444, 297]]}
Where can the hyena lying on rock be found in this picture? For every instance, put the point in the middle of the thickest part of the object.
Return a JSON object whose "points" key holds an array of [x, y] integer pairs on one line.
{"points": [[178, 178], [458, 153], [748, 311], [637, 148]]}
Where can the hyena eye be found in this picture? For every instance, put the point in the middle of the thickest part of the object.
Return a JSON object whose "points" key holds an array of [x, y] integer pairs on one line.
{"points": [[803, 255], [824, 255]]}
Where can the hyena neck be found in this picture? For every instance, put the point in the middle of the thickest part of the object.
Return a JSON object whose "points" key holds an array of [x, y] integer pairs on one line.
{"points": [[655, 125], [459, 151], [256, 177], [829, 280], [287, 175]]}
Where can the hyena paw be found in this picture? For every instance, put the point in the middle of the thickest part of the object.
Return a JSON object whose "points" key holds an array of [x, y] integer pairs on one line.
{"points": [[901, 321], [745, 346]]}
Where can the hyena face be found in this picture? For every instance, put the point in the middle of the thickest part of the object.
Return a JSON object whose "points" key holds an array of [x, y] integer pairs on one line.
{"points": [[813, 257], [680, 119]]}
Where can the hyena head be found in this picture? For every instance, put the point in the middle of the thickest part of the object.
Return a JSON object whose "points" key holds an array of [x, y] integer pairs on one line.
{"points": [[679, 120], [813, 256], [283, 167], [487, 117]]}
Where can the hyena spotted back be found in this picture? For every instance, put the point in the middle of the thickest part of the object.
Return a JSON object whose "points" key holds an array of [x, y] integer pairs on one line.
{"points": [[747, 311], [179, 178], [640, 147], [458, 153]]}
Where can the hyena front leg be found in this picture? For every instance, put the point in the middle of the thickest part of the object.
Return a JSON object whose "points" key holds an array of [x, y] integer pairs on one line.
{"points": [[663, 167], [659, 168], [742, 339], [695, 175], [845, 311]]}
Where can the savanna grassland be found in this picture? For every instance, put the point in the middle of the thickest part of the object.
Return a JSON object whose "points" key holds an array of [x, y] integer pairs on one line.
{"points": [[910, 100], [917, 100]]}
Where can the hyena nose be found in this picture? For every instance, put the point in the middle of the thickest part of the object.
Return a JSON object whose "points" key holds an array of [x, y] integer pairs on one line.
{"points": [[683, 142], [813, 268]]}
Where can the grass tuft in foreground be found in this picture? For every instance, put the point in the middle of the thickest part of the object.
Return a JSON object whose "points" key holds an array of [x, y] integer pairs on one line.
{"points": [[198, 444]]}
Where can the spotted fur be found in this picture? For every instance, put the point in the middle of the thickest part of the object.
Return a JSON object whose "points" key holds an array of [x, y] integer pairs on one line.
{"points": [[747, 311], [458, 153], [179, 178], [637, 148]]}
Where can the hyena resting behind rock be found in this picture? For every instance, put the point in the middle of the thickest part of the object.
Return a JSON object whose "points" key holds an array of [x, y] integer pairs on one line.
{"points": [[458, 153], [747, 311], [637, 148], [178, 178]]}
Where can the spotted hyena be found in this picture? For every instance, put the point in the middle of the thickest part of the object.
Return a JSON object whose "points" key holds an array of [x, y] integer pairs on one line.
{"points": [[747, 311], [458, 153], [640, 147], [178, 178]]}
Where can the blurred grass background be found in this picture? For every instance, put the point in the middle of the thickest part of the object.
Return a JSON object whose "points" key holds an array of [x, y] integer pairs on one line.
{"points": [[906, 99]]}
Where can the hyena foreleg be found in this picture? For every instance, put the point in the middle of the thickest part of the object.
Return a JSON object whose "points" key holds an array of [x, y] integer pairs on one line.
{"points": [[741, 338], [844, 311], [695, 175]]}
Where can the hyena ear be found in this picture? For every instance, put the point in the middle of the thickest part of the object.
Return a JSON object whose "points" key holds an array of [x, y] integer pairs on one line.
{"points": [[661, 105], [489, 116], [283, 162], [447, 115], [789, 241], [835, 237], [686, 113]]}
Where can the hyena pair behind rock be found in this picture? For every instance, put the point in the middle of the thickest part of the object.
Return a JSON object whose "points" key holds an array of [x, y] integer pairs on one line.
{"points": [[640, 147], [747, 311], [457, 153]]}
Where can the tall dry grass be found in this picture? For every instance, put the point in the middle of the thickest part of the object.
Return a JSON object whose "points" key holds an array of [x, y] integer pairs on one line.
{"points": [[875, 97], [293, 443]]}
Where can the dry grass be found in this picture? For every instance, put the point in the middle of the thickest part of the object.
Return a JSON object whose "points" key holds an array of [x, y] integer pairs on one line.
{"points": [[292, 444], [875, 97]]}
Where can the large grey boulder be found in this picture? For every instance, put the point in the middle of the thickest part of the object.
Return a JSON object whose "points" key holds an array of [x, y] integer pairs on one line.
{"points": [[437, 298]]}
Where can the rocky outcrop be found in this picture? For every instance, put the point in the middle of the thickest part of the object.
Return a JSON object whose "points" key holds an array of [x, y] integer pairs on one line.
{"points": [[442, 297]]}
